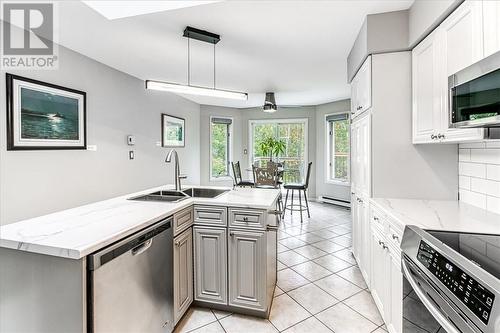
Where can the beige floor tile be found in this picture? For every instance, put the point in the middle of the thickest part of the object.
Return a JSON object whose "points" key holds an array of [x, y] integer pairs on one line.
{"points": [[295, 231], [345, 255], [285, 312], [332, 263], [325, 234], [210, 328], [278, 291], [291, 258], [282, 248], [337, 287], [309, 238], [342, 319], [363, 303], [342, 240], [195, 318], [311, 271], [237, 323], [219, 314], [289, 279], [353, 274], [282, 234], [313, 298], [281, 266], [328, 246], [310, 252], [310, 325], [292, 242]]}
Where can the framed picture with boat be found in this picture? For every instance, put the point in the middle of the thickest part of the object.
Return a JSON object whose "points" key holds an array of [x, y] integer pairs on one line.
{"points": [[44, 116]]}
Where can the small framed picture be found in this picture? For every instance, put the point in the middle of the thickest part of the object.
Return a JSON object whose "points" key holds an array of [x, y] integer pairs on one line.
{"points": [[172, 131], [44, 116]]}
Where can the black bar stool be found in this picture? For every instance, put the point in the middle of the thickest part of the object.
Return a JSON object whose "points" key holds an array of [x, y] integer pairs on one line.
{"points": [[301, 188], [238, 181]]}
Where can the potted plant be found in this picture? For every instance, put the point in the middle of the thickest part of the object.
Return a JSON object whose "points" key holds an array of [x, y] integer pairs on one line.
{"points": [[270, 146]]}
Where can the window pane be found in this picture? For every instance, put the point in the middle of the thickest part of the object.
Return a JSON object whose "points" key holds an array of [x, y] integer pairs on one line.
{"points": [[219, 150], [339, 150]]}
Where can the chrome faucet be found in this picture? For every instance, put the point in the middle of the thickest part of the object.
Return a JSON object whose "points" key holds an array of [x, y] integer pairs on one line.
{"points": [[177, 173]]}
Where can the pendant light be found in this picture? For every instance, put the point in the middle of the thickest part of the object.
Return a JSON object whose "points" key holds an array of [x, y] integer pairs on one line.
{"points": [[269, 103], [177, 88]]}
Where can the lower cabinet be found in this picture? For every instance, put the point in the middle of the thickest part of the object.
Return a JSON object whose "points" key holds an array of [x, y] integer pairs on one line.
{"points": [[380, 283], [247, 269], [210, 264], [183, 273], [395, 317]]}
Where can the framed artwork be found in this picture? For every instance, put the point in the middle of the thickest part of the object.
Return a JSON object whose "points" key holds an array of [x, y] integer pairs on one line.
{"points": [[44, 116], [172, 131]]}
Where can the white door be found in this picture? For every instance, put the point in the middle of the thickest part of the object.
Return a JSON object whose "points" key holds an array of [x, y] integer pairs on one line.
{"points": [[491, 27], [426, 91], [183, 273], [247, 269], [462, 39]]}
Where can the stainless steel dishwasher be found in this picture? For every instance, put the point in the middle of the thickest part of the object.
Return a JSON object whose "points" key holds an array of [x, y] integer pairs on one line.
{"points": [[131, 283]]}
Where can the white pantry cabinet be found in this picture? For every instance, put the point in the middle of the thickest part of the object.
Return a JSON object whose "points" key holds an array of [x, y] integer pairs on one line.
{"points": [[183, 273], [491, 27], [452, 46], [361, 89], [361, 154]]}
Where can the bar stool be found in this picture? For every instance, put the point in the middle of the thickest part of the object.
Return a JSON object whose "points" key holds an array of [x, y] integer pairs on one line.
{"points": [[238, 181], [300, 188]]}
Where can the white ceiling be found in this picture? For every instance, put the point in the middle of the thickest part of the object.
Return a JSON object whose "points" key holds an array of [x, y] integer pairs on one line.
{"points": [[297, 49]]}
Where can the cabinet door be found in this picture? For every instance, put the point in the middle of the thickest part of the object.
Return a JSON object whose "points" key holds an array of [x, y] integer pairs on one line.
{"points": [[364, 93], [380, 282], [210, 250], [395, 320], [364, 221], [491, 27], [364, 154], [356, 230], [426, 91], [462, 42], [354, 155], [247, 269], [183, 273], [354, 96]]}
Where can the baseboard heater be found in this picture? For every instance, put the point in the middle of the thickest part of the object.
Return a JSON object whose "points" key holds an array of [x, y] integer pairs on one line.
{"points": [[334, 201]]}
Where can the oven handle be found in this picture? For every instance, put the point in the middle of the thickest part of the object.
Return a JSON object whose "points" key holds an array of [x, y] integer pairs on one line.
{"points": [[449, 327]]}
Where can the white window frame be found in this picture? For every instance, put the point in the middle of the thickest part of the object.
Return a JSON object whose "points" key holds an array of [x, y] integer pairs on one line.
{"points": [[328, 139], [230, 150], [304, 121]]}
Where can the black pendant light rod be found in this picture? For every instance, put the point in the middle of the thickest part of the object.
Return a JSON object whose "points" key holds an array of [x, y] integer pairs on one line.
{"points": [[189, 65], [214, 66]]}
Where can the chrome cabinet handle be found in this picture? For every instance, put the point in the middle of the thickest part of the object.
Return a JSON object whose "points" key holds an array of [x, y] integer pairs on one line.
{"points": [[178, 243], [382, 244], [375, 218], [441, 136], [245, 218], [395, 237], [231, 234], [433, 137]]}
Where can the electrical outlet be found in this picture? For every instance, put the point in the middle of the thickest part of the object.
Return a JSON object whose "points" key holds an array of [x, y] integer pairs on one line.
{"points": [[131, 155]]}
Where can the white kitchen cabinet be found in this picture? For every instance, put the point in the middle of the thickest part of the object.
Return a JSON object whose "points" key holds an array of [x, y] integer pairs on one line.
{"points": [[452, 46], [491, 27], [356, 228], [395, 316], [380, 283], [183, 273], [210, 264], [247, 269], [361, 154], [364, 238], [361, 89]]}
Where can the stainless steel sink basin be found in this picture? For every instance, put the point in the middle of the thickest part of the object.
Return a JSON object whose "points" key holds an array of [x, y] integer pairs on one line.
{"points": [[199, 192], [176, 196]]}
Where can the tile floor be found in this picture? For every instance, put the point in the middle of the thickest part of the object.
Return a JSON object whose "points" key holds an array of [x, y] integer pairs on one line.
{"points": [[319, 288]]}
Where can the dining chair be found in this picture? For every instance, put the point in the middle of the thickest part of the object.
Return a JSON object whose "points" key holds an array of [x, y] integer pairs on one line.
{"points": [[268, 178], [238, 181], [300, 187]]}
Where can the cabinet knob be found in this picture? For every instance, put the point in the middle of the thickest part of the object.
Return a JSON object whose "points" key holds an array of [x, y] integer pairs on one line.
{"points": [[395, 237], [231, 234], [245, 218], [375, 218], [178, 243]]}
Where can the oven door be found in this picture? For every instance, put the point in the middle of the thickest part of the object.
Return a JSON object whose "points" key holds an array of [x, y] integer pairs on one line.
{"points": [[425, 308]]}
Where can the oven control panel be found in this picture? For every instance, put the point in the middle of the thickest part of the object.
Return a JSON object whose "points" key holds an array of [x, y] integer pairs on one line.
{"points": [[470, 292]]}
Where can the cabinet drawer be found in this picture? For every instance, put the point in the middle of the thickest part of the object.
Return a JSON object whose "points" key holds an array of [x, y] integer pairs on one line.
{"points": [[183, 220], [394, 237], [210, 215], [247, 218], [377, 220]]}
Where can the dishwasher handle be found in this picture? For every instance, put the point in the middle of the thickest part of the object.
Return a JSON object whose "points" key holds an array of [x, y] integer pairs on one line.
{"points": [[137, 243]]}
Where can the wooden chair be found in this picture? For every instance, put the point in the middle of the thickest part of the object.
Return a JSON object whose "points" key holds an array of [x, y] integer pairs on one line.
{"points": [[268, 178], [238, 181], [301, 188]]}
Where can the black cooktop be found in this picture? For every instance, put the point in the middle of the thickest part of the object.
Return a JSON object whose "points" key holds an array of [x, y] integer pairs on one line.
{"points": [[482, 249]]}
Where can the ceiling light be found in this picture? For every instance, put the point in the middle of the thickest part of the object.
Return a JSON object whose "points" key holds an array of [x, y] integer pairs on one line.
{"points": [[194, 90], [207, 37], [270, 103], [113, 10]]}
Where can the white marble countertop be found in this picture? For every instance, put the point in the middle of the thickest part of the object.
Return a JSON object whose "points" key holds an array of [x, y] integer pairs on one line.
{"points": [[77, 232], [446, 215]]}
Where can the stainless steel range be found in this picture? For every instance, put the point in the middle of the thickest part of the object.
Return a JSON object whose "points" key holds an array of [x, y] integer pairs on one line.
{"points": [[451, 281]]}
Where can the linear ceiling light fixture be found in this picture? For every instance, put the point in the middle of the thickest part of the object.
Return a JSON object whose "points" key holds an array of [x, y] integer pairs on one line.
{"points": [[177, 88]]}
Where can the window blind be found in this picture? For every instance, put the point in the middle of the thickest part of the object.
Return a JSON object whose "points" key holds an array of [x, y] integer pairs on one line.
{"points": [[226, 121], [337, 117]]}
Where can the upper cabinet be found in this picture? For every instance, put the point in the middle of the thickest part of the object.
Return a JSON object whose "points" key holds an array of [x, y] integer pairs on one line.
{"points": [[454, 45], [361, 89], [491, 27]]}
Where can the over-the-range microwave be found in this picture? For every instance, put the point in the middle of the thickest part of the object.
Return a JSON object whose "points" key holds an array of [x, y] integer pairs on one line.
{"points": [[474, 95]]}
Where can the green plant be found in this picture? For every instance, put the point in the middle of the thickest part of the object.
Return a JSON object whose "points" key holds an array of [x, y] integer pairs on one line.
{"points": [[270, 146], [279, 147]]}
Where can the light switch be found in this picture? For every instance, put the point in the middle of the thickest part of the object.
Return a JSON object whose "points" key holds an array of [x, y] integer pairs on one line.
{"points": [[130, 140], [131, 155]]}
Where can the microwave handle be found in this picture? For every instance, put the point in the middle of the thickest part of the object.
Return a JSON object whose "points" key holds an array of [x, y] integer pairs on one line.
{"points": [[449, 327]]}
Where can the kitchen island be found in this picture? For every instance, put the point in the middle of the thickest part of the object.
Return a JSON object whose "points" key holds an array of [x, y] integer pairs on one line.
{"points": [[44, 275]]}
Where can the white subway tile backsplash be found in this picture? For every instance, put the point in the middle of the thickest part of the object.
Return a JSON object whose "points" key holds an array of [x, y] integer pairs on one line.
{"points": [[479, 174], [489, 187], [493, 172], [472, 169], [473, 198]]}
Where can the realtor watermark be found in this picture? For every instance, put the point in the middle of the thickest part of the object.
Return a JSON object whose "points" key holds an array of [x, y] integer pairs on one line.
{"points": [[29, 35]]}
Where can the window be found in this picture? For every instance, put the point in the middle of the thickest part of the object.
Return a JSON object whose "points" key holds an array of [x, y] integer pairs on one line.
{"points": [[338, 147], [220, 147], [293, 132]]}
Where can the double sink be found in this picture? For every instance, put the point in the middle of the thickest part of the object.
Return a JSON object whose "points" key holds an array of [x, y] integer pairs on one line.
{"points": [[176, 196]]}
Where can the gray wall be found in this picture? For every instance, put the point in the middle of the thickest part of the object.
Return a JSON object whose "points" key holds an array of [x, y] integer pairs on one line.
{"points": [[39, 182], [322, 187]]}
